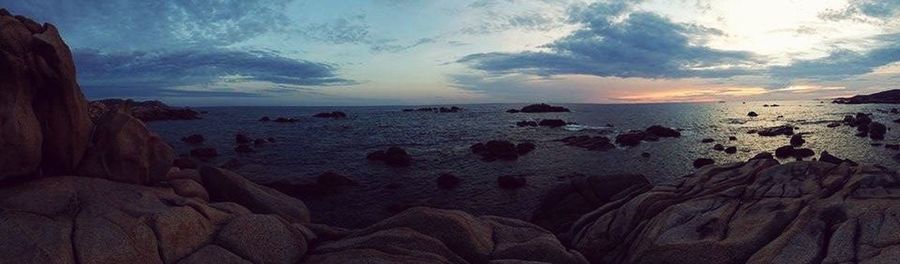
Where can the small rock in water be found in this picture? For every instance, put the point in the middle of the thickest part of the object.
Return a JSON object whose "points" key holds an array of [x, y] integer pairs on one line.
{"points": [[244, 148], [732, 138], [719, 147], [707, 140], [892, 146], [242, 139], [834, 124], [595, 143], [752, 114], [193, 139], [552, 123], [645, 155], [285, 120], [526, 123], [786, 130], [204, 153], [663, 132], [511, 181], [393, 156], [797, 140], [877, 130], [731, 150], [259, 142], [632, 138], [448, 181], [335, 115], [265, 119], [699, 163], [542, 108], [525, 148]]}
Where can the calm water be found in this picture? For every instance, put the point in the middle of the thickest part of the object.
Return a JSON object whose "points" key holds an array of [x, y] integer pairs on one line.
{"points": [[439, 143]]}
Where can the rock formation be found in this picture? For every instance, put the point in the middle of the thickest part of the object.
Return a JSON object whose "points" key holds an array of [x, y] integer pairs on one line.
{"points": [[146, 111], [886, 97]]}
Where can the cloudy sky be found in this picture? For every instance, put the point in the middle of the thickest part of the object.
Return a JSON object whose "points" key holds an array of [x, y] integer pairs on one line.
{"points": [[386, 52]]}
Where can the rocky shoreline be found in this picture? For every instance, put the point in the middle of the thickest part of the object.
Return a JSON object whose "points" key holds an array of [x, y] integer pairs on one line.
{"points": [[77, 189]]}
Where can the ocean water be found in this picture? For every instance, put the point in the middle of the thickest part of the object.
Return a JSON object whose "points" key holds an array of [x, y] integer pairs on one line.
{"points": [[439, 143]]}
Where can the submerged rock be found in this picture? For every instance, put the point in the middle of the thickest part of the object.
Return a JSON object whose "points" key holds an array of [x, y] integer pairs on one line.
{"points": [[448, 181], [552, 123], [526, 124], [393, 156], [511, 181], [595, 143], [335, 115], [501, 150]]}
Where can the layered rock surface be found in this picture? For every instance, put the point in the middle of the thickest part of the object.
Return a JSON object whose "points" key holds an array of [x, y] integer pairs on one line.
{"points": [[753, 212]]}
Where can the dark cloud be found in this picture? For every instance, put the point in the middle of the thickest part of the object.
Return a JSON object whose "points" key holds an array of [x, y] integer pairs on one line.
{"points": [[616, 41], [843, 63], [159, 73], [864, 10], [136, 25]]}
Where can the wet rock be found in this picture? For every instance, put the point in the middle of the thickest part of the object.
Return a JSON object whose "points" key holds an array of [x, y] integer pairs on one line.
{"points": [[452, 109], [762, 155], [731, 150], [786, 130], [645, 155], [707, 140], [833, 124], [497, 150], [335, 115], [448, 181], [752, 114], [631, 138], [543, 108], [797, 140], [511, 181], [124, 150], [193, 139], [790, 151], [662, 132], [526, 124], [827, 157], [286, 120], [244, 148], [393, 156], [719, 147], [552, 123], [525, 148], [242, 139], [512, 111], [332, 179], [732, 138], [700, 162], [595, 143], [784, 152], [877, 130], [204, 153]]}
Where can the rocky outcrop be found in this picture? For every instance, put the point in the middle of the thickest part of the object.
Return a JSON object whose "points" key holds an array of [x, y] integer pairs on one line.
{"points": [[753, 212], [90, 220], [227, 186], [393, 156], [124, 150], [44, 118], [539, 108], [146, 111], [425, 235], [886, 97]]}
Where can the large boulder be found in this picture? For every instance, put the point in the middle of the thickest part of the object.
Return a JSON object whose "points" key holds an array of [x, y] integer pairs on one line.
{"points": [[562, 205], [124, 150], [426, 235], [226, 186], [91, 220], [753, 212], [43, 115]]}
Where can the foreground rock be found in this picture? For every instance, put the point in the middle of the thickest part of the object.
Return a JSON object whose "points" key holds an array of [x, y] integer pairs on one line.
{"points": [[90, 220], [44, 118], [146, 111], [425, 235], [124, 150], [226, 186], [753, 212], [886, 97]]}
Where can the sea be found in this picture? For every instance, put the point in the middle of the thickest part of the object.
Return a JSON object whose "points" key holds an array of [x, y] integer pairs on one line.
{"points": [[439, 143]]}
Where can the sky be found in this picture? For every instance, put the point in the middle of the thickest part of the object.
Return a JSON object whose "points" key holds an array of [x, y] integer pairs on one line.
{"points": [[415, 52]]}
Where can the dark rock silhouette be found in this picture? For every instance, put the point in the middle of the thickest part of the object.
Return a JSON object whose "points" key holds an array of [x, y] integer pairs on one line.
{"points": [[752, 114], [552, 123], [786, 130], [448, 181], [886, 97], [393, 156], [146, 111], [526, 124], [501, 150], [700, 162], [542, 108], [797, 140], [335, 115], [285, 120]]}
